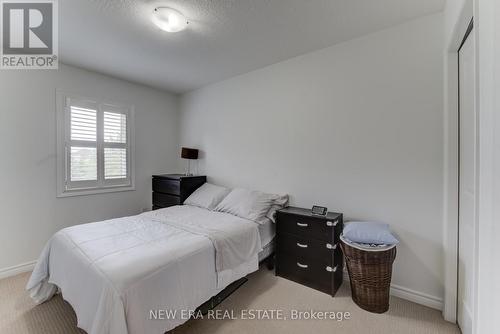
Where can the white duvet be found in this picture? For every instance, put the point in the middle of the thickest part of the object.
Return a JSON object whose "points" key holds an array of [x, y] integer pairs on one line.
{"points": [[115, 272]]}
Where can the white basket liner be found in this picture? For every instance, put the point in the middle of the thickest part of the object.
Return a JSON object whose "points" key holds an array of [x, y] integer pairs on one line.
{"points": [[367, 247]]}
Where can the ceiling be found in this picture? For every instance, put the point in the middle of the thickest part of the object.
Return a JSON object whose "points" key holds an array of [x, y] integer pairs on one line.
{"points": [[224, 38]]}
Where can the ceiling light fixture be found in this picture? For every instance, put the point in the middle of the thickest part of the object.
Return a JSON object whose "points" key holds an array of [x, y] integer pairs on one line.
{"points": [[169, 19]]}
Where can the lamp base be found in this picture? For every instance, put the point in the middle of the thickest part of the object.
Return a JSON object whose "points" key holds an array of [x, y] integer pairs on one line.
{"points": [[188, 168]]}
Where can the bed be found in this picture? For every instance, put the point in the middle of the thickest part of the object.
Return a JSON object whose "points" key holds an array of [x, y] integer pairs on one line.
{"points": [[118, 274]]}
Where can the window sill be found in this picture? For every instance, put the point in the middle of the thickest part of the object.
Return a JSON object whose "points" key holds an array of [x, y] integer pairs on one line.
{"points": [[86, 192]]}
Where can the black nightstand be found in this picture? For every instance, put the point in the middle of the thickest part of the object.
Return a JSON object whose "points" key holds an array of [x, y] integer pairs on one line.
{"points": [[307, 249], [173, 189]]}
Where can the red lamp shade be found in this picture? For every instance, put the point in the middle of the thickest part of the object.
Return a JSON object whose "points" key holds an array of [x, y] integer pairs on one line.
{"points": [[189, 153]]}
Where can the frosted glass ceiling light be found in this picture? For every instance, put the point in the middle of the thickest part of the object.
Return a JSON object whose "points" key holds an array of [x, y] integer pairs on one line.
{"points": [[169, 19]]}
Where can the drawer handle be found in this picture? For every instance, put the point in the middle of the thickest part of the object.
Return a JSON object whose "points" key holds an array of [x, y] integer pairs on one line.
{"points": [[329, 246], [305, 266], [301, 245], [329, 223], [330, 269], [302, 225]]}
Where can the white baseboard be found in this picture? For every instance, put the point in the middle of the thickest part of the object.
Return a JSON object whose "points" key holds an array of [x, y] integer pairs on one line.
{"points": [[16, 270], [412, 295], [417, 297]]}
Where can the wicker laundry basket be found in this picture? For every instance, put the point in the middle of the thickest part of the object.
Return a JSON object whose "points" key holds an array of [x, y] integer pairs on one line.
{"points": [[370, 274]]}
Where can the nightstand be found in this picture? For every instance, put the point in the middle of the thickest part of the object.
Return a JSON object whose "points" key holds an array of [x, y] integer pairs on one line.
{"points": [[173, 189], [307, 249]]}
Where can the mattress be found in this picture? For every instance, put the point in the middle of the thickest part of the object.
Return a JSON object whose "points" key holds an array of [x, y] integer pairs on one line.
{"points": [[266, 251], [267, 232]]}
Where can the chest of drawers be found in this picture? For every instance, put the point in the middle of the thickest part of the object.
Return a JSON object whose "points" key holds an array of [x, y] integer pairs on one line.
{"points": [[173, 189], [307, 248]]}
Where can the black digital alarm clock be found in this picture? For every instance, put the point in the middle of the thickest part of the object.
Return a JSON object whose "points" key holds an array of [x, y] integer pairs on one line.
{"points": [[319, 210]]}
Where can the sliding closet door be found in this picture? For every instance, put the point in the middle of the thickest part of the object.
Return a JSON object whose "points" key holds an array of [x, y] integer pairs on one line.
{"points": [[467, 188]]}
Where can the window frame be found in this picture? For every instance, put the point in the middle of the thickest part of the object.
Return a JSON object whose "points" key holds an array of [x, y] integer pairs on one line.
{"points": [[66, 187]]}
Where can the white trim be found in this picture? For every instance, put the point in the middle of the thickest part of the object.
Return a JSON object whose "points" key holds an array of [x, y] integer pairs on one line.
{"points": [[450, 193], [466, 317], [93, 191], [410, 295], [485, 315], [16, 270], [450, 167]]}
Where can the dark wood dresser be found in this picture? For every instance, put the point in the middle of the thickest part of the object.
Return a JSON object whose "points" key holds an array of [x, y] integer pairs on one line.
{"points": [[307, 249], [173, 189]]}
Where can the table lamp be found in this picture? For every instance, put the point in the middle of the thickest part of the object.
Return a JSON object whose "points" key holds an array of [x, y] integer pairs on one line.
{"points": [[189, 154]]}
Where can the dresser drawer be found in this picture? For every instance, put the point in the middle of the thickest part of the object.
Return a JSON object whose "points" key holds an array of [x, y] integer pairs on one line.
{"points": [[303, 226], [306, 271], [165, 200], [317, 250], [166, 186]]}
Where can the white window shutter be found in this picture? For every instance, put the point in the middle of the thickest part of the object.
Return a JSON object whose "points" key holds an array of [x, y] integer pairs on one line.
{"points": [[95, 146], [83, 124], [115, 163], [115, 127], [83, 144], [83, 162], [115, 144]]}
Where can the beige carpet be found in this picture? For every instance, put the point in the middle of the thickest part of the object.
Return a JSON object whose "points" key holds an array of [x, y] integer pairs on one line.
{"points": [[19, 315]]}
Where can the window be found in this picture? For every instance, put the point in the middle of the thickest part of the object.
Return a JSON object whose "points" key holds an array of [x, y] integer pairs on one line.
{"points": [[95, 146]]}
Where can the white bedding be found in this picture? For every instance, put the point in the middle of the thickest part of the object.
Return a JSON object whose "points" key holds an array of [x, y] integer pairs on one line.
{"points": [[115, 272]]}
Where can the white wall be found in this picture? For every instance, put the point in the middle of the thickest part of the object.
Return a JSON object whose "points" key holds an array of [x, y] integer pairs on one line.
{"points": [[356, 127], [30, 211]]}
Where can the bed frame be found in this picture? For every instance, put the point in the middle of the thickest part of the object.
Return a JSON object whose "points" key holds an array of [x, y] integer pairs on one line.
{"points": [[221, 296]]}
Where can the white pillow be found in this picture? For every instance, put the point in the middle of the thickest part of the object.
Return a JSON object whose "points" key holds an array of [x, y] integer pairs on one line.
{"points": [[207, 196], [271, 214], [252, 205]]}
